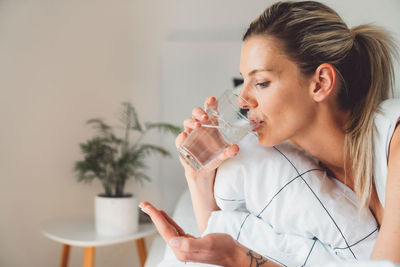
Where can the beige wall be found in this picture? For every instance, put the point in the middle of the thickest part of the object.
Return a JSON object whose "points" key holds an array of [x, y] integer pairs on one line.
{"points": [[62, 62]]}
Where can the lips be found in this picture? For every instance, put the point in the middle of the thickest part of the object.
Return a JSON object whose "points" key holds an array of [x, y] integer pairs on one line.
{"points": [[255, 122], [256, 125]]}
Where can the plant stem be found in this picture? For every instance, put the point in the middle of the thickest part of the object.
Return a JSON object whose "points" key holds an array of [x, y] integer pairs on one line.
{"points": [[127, 129], [119, 188], [107, 189]]}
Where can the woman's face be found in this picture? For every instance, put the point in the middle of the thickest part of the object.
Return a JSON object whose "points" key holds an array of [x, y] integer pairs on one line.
{"points": [[283, 108]]}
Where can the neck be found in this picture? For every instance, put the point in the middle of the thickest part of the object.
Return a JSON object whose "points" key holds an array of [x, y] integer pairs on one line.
{"points": [[324, 140]]}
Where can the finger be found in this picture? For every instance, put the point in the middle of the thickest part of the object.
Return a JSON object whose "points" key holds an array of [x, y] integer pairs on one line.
{"points": [[189, 236], [166, 230], [185, 165], [180, 138], [178, 142], [185, 245], [211, 106], [211, 102], [211, 248], [228, 153], [195, 249], [172, 222], [199, 114], [189, 124]]}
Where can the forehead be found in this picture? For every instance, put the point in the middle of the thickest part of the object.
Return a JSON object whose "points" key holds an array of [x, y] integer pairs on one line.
{"points": [[259, 52]]}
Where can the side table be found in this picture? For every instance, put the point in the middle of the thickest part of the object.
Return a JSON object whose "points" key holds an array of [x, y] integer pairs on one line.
{"points": [[81, 232]]}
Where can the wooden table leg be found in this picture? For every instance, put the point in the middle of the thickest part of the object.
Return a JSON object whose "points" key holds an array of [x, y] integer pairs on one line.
{"points": [[65, 255], [88, 257], [141, 248]]}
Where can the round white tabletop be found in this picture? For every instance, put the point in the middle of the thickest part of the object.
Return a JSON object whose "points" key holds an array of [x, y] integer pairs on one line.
{"points": [[81, 232]]}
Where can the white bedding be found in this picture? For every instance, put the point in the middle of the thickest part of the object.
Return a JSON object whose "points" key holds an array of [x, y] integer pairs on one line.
{"points": [[161, 255], [278, 202]]}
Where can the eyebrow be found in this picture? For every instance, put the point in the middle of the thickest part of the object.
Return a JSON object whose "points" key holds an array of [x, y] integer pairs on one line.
{"points": [[259, 70]]}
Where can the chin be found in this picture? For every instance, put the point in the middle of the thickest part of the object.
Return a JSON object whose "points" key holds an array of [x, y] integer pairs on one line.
{"points": [[265, 141]]}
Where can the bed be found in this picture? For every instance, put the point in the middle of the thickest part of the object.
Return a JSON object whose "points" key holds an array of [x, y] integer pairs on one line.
{"points": [[184, 216]]}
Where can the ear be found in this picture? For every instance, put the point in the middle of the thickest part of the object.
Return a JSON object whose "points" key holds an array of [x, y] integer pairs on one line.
{"points": [[323, 82]]}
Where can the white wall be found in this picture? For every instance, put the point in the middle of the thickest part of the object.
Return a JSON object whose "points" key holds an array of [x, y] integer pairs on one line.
{"points": [[62, 62]]}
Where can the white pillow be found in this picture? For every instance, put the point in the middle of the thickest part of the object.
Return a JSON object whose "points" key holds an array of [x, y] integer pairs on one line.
{"points": [[279, 202]]}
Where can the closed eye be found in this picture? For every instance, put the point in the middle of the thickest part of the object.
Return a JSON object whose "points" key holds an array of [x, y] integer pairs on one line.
{"points": [[262, 85]]}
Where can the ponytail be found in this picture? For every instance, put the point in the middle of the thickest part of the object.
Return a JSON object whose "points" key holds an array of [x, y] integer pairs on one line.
{"points": [[368, 75]]}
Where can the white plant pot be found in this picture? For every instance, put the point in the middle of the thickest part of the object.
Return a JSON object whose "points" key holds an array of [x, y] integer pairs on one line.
{"points": [[116, 216]]}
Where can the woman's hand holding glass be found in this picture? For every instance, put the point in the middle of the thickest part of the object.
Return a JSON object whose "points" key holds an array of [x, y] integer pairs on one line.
{"points": [[199, 117], [201, 182]]}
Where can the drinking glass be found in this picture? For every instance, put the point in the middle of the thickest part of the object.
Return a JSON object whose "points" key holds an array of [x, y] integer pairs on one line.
{"points": [[227, 125]]}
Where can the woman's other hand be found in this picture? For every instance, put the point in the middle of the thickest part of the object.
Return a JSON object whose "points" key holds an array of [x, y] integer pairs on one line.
{"points": [[216, 249]]}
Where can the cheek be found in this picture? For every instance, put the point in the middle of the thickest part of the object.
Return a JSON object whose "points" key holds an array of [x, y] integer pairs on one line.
{"points": [[280, 128], [285, 115]]}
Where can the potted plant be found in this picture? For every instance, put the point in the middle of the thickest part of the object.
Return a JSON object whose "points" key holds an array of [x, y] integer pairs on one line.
{"points": [[113, 160]]}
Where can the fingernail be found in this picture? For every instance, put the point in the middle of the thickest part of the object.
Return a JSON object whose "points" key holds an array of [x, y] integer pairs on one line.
{"points": [[144, 208], [174, 242], [203, 117]]}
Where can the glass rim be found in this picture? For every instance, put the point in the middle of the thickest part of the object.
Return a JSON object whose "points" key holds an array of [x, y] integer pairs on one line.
{"points": [[236, 94]]}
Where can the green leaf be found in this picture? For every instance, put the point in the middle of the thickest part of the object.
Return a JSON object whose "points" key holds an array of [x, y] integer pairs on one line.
{"points": [[164, 127], [137, 162], [139, 177], [100, 126], [86, 178], [148, 149], [129, 117]]}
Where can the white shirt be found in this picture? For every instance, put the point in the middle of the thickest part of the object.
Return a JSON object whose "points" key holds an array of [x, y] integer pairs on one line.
{"points": [[385, 124]]}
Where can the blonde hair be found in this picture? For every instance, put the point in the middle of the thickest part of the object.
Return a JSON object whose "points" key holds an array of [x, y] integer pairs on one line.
{"points": [[312, 34]]}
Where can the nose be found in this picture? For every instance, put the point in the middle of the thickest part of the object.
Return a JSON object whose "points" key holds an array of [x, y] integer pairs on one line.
{"points": [[245, 100]]}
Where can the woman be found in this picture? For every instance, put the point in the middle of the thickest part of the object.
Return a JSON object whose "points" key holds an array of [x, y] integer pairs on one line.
{"points": [[322, 86]]}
